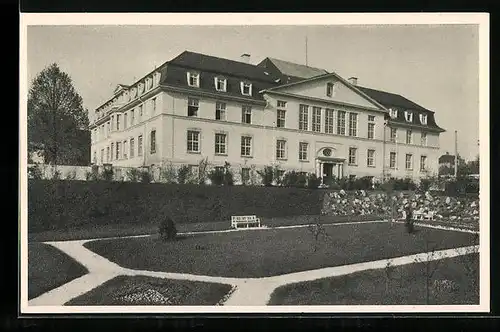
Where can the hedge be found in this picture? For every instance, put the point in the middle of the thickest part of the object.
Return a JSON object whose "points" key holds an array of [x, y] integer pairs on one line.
{"points": [[60, 204]]}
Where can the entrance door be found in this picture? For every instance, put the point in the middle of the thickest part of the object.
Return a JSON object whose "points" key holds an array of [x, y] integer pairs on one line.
{"points": [[327, 172]]}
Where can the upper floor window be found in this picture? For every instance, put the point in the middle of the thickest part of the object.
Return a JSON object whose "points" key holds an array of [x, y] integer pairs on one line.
{"points": [[316, 119], [193, 79], [393, 113], [246, 88], [353, 124], [371, 130], [246, 146], [193, 105], [352, 156], [220, 84], [153, 105], [125, 119], [409, 161], [423, 139], [394, 134], [303, 117], [246, 114], [330, 89], [370, 158], [220, 111], [423, 119], [281, 103], [423, 163], [341, 122], [220, 143], [408, 137], [280, 118], [408, 116], [118, 116], [329, 121], [303, 147]]}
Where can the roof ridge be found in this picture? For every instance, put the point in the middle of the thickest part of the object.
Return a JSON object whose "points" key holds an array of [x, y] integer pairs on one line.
{"points": [[297, 64], [217, 57]]}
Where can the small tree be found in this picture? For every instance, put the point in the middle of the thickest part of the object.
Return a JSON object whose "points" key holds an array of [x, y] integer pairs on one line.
{"points": [[216, 176], [202, 171], [431, 264], [107, 174], [313, 181], [228, 174], [145, 176], [133, 175], [183, 174], [318, 232], [267, 175]]}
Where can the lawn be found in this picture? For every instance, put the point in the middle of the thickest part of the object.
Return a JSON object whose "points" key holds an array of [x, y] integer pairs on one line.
{"points": [[92, 231], [49, 268], [407, 286], [142, 290], [261, 253]]}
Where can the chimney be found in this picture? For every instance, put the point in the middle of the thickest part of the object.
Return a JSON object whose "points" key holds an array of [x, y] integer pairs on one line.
{"points": [[245, 58], [353, 80]]}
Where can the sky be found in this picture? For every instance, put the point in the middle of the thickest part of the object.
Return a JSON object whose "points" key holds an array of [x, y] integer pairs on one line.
{"points": [[436, 66]]}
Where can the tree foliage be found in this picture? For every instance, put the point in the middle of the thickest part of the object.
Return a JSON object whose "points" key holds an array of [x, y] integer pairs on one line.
{"points": [[57, 121]]}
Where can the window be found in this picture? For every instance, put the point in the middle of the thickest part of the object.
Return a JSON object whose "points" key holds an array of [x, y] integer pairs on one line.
{"points": [[193, 105], [370, 158], [246, 114], [352, 156], [423, 119], [371, 130], [140, 112], [246, 89], [245, 175], [193, 141], [393, 113], [112, 151], [118, 150], [341, 122], [132, 116], [112, 122], [102, 156], [220, 84], [280, 118], [303, 117], [193, 79], [392, 160], [139, 146], [408, 116], [329, 89], [409, 161], [280, 149], [153, 142], [371, 118], [303, 147], [423, 138], [408, 136], [281, 103], [316, 119], [125, 118], [353, 124], [118, 116], [107, 154], [220, 111], [125, 150], [246, 146], [220, 144], [423, 163], [394, 133], [132, 147], [153, 106]]}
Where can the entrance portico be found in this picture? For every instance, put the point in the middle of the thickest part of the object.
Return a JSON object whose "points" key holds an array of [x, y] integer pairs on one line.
{"points": [[328, 165]]}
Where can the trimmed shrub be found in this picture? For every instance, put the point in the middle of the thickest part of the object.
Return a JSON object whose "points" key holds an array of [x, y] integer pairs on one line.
{"points": [[183, 174], [167, 229], [168, 174], [145, 176], [35, 172], [294, 179], [216, 176], [107, 174]]}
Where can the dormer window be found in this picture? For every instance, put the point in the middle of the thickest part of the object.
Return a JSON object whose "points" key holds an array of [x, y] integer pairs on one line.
{"points": [[423, 119], [330, 89], [246, 89], [393, 113], [220, 84], [193, 79], [408, 116]]}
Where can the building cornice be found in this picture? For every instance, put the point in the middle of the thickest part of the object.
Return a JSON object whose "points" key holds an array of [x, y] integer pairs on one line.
{"points": [[392, 123], [323, 101]]}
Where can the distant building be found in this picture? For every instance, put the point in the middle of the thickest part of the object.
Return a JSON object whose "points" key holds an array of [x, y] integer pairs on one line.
{"points": [[275, 113], [447, 160]]}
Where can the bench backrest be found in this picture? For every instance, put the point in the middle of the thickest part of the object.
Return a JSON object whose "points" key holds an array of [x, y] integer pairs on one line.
{"points": [[243, 218]]}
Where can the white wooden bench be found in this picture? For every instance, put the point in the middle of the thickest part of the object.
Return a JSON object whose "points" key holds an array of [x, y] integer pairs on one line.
{"points": [[244, 220], [417, 215]]}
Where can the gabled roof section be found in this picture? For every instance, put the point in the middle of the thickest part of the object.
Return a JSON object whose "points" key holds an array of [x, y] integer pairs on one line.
{"points": [[119, 88], [391, 99], [337, 77], [293, 69], [208, 63]]}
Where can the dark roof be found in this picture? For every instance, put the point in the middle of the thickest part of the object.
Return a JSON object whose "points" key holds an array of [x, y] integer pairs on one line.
{"points": [[292, 69], [210, 67]]}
